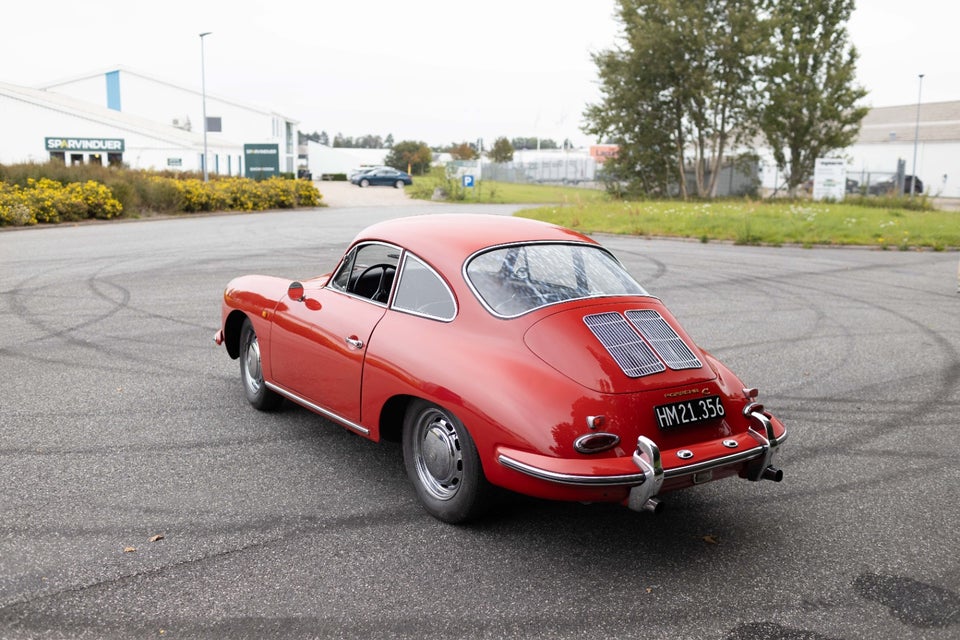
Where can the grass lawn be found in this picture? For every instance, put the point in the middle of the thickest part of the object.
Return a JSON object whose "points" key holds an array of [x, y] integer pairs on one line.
{"points": [[488, 191], [889, 222], [886, 223], [803, 223]]}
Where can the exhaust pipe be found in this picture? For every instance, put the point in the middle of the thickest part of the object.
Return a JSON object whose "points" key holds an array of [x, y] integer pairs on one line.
{"points": [[653, 505], [772, 473]]}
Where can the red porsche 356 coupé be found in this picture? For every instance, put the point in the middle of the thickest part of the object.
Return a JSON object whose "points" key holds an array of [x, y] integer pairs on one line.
{"points": [[500, 351]]}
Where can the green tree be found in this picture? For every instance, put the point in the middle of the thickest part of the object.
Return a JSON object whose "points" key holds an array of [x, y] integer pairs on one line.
{"points": [[408, 155], [462, 151], [388, 141], [810, 106], [679, 90], [502, 150]]}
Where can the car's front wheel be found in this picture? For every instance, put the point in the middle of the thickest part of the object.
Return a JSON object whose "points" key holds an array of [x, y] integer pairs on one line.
{"points": [[399, 184], [251, 371], [364, 183], [443, 464]]}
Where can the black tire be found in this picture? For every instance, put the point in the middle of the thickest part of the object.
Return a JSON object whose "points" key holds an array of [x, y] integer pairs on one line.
{"points": [[251, 373], [442, 463], [399, 184], [364, 183]]}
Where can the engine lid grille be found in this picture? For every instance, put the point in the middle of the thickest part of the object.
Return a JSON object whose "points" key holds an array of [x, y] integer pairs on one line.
{"points": [[628, 349], [663, 339]]}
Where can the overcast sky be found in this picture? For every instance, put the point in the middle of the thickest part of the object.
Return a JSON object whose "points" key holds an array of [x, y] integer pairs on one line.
{"points": [[440, 71]]}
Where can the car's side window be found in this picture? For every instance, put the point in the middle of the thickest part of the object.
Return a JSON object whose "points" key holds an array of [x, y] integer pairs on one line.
{"points": [[368, 271], [422, 292]]}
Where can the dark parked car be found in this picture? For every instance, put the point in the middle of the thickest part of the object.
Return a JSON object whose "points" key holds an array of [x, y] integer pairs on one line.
{"points": [[384, 177], [890, 186]]}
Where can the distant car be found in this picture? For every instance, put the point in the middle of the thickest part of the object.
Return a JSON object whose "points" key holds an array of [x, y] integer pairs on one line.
{"points": [[388, 177], [890, 186], [501, 352], [364, 169]]}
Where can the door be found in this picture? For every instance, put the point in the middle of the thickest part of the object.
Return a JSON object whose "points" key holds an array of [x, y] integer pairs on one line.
{"points": [[317, 348], [318, 344]]}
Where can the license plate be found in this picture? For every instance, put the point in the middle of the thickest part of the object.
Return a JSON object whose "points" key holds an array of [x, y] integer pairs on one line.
{"points": [[689, 411]]}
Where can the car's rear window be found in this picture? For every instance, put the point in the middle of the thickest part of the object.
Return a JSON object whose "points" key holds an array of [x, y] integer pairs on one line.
{"points": [[515, 279]]}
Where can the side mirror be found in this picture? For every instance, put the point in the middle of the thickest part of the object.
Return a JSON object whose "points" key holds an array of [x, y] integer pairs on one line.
{"points": [[295, 291]]}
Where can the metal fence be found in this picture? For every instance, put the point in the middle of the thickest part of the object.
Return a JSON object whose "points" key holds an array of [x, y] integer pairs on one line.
{"points": [[567, 170]]}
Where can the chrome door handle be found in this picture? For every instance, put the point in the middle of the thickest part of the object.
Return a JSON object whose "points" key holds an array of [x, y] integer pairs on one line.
{"points": [[354, 342]]}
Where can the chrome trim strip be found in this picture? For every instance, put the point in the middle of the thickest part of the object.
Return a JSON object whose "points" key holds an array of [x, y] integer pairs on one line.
{"points": [[630, 479], [567, 478], [326, 414]]}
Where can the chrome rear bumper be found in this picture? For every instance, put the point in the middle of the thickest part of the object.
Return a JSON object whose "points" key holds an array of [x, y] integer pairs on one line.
{"points": [[646, 483], [647, 458]]}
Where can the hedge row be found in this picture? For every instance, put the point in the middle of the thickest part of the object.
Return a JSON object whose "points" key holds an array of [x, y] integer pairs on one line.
{"points": [[29, 197], [49, 201]]}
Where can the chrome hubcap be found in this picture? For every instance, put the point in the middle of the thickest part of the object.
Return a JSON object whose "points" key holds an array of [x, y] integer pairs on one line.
{"points": [[253, 377], [438, 457]]}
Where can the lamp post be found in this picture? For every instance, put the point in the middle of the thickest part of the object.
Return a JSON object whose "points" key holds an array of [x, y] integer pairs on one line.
{"points": [[916, 137], [203, 87]]}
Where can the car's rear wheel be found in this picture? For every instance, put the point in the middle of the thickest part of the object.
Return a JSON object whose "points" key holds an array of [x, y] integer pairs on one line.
{"points": [[251, 371], [398, 184], [364, 183], [443, 464]]}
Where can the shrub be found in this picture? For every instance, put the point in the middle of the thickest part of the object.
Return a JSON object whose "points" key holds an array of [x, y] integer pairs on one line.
{"points": [[45, 200], [49, 193]]}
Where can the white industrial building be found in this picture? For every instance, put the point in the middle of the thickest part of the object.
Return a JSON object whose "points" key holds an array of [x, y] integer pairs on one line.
{"points": [[887, 134], [124, 116], [886, 137], [324, 160]]}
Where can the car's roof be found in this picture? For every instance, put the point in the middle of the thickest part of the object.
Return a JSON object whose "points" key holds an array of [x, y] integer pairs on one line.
{"points": [[450, 238]]}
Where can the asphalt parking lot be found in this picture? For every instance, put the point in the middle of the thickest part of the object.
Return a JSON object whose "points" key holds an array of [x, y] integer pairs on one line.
{"points": [[142, 497], [344, 194]]}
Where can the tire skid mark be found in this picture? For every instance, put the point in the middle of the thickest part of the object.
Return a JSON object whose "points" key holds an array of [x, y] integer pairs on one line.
{"points": [[101, 289], [94, 282], [275, 532], [176, 447], [816, 300], [784, 278], [855, 442], [660, 267], [21, 310]]}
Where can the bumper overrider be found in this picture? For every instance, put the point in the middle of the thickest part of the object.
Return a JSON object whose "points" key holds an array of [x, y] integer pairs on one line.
{"points": [[754, 450]]}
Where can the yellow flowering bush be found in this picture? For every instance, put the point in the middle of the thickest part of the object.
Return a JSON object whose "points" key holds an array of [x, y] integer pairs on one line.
{"points": [[244, 194], [307, 194], [13, 206], [27, 198], [46, 200]]}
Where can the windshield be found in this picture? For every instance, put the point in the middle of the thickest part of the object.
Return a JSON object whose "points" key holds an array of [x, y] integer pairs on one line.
{"points": [[513, 280]]}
